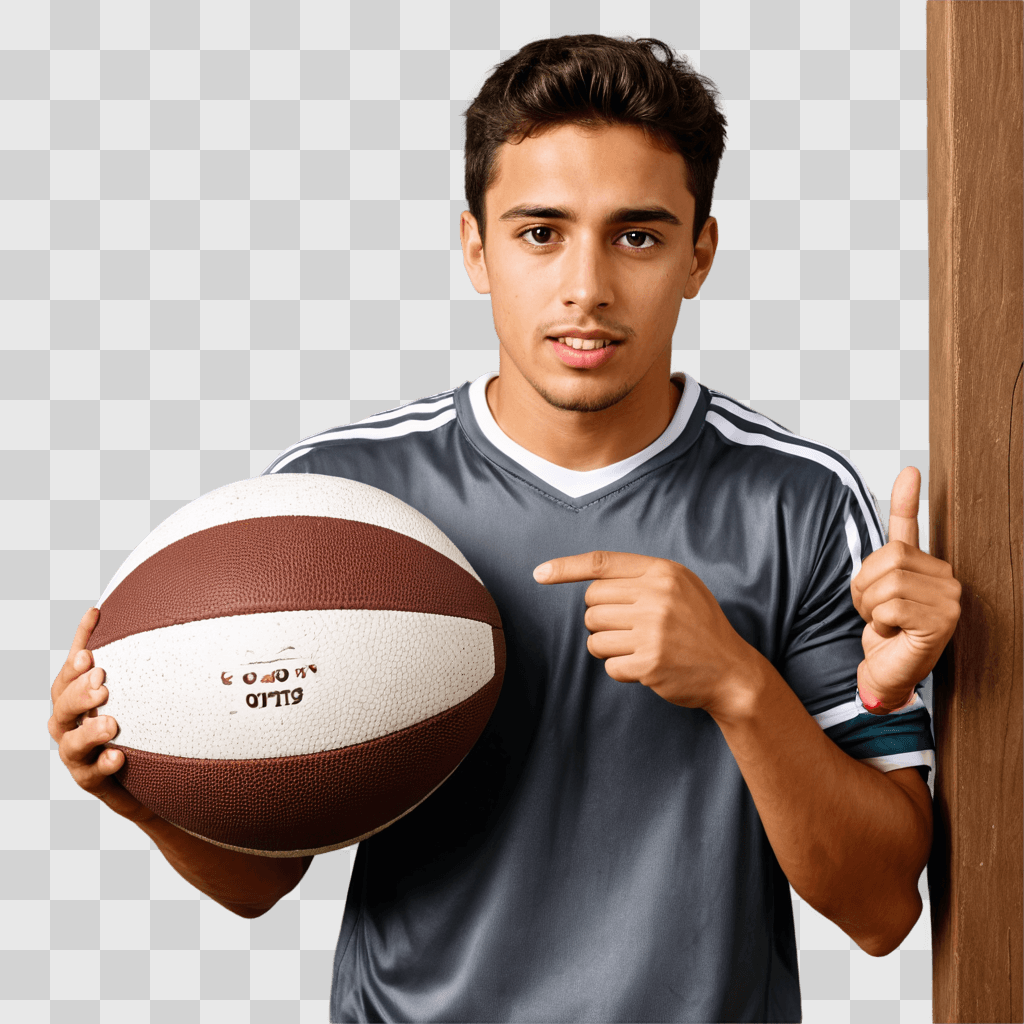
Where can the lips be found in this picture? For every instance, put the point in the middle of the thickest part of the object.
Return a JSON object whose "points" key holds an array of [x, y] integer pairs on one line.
{"points": [[583, 353], [584, 344]]}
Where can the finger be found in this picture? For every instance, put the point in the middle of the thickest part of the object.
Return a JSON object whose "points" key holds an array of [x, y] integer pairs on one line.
{"points": [[608, 616], [612, 643], [896, 556], [625, 669], [78, 748], [86, 693], [900, 583], [932, 623], [906, 494], [91, 764], [79, 659], [940, 597], [109, 762], [93, 772], [85, 627], [882, 630], [902, 614], [621, 592], [592, 565]]}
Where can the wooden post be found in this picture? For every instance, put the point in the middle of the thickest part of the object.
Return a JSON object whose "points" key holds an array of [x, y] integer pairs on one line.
{"points": [[975, 241]]}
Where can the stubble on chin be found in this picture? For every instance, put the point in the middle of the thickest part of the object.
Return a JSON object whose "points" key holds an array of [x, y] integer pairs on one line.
{"points": [[597, 403]]}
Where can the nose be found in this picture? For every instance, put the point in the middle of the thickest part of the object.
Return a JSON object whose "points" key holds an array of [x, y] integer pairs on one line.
{"points": [[586, 275]]}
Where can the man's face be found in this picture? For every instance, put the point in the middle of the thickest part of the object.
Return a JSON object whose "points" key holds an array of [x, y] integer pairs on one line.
{"points": [[587, 230]]}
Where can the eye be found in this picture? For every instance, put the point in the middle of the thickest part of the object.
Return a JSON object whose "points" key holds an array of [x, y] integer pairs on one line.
{"points": [[646, 235], [529, 231]]}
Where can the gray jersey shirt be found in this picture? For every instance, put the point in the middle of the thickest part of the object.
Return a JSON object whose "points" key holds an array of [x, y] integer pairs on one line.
{"points": [[598, 856]]}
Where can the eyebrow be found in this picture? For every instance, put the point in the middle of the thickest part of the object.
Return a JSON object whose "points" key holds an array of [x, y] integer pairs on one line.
{"points": [[625, 213]]}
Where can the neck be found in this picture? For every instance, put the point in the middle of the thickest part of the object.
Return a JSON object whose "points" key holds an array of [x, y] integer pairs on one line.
{"points": [[582, 440]]}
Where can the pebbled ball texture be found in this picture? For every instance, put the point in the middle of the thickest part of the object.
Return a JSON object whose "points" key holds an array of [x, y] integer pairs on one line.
{"points": [[288, 683]]}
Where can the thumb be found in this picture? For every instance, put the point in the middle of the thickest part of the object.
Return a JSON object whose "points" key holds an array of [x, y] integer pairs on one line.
{"points": [[906, 494]]}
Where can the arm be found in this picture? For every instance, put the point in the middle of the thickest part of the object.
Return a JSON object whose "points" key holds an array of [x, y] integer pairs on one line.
{"points": [[852, 840], [245, 884], [861, 871]]}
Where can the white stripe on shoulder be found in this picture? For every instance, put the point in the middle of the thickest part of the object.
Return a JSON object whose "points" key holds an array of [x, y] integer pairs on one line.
{"points": [[394, 429], [435, 402], [738, 409], [284, 462], [368, 427], [749, 437], [748, 414], [853, 542]]}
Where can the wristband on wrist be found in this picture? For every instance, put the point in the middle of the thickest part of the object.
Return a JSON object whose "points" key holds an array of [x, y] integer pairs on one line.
{"points": [[873, 705]]}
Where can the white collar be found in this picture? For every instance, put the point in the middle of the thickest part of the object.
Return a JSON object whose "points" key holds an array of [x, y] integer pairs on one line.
{"points": [[574, 482]]}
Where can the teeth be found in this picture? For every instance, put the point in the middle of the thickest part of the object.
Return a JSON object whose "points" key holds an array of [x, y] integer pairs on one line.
{"points": [[585, 343]]}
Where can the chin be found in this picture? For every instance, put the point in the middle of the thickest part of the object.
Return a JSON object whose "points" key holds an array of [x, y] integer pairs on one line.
{"points": [[584, 399]]}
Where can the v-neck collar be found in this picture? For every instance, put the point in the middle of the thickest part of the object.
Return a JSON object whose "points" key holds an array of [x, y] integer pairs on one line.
{"points": [[570, 483]]}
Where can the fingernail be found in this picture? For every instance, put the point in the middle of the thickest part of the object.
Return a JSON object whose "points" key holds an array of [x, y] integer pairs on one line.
{"points": [[542, 572]]}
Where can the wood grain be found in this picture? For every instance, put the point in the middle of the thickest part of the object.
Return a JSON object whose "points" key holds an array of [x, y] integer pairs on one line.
{"points": [[975, 212]]}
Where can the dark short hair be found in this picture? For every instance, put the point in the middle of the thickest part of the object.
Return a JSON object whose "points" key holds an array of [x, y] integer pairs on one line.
{"points": [[595, 81]]}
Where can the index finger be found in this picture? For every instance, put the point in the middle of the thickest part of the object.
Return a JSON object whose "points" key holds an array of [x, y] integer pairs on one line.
{"points": [[74, 667], [592, 565]]}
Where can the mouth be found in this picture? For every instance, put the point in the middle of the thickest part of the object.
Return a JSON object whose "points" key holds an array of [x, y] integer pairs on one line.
{"points": [[584, 353], [584, 344]]}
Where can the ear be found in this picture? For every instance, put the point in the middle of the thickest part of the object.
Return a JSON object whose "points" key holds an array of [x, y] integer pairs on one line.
{"points": [[703, 257], [473, 253]]}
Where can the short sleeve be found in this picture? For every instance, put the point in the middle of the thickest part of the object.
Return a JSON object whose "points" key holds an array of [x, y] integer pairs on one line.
{"points": [[297, 459], [823, 648]]}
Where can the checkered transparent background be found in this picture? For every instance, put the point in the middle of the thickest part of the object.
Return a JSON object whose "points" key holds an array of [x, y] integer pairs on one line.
{"points": [[225, 226]]}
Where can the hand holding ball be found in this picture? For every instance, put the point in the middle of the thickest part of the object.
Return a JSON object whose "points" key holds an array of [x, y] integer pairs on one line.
{"points": [[294, 662]]}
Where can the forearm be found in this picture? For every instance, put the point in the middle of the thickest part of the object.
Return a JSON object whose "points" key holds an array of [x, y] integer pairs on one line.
{"points": [[243, 883], [851, 843]]}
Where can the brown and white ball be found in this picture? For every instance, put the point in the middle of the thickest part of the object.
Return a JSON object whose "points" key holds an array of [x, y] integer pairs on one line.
{"points": [[295, 661]]}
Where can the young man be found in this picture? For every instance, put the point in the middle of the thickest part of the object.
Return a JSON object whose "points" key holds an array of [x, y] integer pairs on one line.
{"points": [[681, 738]]}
